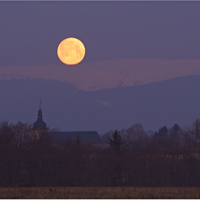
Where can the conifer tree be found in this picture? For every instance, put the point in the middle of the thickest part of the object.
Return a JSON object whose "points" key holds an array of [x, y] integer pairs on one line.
{"points": [[115, 142]]}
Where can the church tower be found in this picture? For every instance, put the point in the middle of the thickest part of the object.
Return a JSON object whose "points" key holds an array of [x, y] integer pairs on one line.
{"points": [[39, 126]]}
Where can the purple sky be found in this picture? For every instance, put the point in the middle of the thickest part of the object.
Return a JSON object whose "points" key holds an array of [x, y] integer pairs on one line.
{"points": [[111, 31], [127, 43], [31, 31]]}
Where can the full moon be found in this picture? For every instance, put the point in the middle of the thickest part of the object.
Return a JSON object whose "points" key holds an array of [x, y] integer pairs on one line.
{"points": [[71, 51]]}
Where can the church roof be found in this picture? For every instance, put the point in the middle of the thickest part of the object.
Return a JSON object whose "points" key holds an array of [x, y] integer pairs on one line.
{"points": [[61, 136], [85, 136]]}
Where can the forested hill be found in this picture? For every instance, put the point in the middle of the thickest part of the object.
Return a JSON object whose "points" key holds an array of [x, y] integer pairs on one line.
{"points": [[67, 108]]}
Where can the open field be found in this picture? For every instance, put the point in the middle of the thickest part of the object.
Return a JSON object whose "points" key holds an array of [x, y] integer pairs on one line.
{"points": [[100, 192]]}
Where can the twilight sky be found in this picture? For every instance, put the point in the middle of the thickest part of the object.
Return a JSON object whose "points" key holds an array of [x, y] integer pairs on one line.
{"points": [[127, 43], [31, 31], [111, 31]]}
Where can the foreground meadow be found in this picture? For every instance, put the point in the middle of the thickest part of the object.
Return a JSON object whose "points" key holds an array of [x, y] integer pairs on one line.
{"points": [[100, 193]]}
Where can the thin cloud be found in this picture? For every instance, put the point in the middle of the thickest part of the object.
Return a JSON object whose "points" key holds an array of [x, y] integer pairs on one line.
{"points": [[107, 74], [105, 104]]}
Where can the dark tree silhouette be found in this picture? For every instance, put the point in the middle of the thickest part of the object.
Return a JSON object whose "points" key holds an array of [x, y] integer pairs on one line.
{"points": [[175, 132], [115, 142], [162, 132], [196, 129], [170, 158]]}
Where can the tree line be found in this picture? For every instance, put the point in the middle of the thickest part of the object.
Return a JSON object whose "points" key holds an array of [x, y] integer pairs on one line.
{"points": [[129, 157]]}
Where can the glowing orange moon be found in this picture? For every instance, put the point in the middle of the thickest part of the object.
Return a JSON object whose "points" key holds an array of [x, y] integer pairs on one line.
{"points": [[71, 51]]}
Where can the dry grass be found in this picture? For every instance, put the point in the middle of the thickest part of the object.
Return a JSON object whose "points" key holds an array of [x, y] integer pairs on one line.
{"points": [[100, 193]]}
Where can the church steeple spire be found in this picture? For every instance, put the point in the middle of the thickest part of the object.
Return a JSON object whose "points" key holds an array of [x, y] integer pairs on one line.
{"points": [[40, 111], [40, 114], [39, 124]]}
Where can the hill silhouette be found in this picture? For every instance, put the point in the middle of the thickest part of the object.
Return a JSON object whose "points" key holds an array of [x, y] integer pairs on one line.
{"points": [[71, 109]]}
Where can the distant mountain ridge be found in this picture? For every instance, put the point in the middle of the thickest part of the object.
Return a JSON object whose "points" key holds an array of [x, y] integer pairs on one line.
{"points": [[70, 109], [106, 74]]}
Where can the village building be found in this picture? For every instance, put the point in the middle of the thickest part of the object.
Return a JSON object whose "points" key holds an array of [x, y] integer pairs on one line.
{"points": [[40, 129]]}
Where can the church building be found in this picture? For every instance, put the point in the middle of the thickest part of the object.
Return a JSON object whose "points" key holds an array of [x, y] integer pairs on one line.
{"points": [[40, 129]]}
